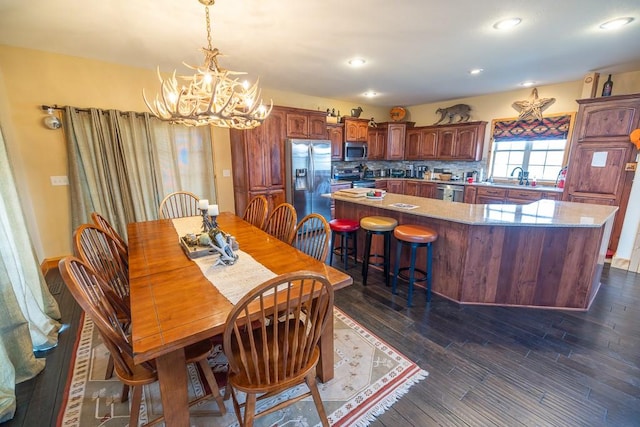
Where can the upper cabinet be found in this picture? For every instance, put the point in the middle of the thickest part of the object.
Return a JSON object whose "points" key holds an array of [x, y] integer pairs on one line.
{"points": [[335, 133], [355, 130], [462, 141], [306, 124], [387, 141]]}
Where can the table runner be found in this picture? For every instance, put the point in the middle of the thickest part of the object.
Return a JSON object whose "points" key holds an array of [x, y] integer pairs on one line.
{"points": [[233, 281]]}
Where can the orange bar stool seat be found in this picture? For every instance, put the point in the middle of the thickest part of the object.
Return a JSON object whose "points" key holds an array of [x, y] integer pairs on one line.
{"points": [[416, 236], [346, 229], [377, 225]]}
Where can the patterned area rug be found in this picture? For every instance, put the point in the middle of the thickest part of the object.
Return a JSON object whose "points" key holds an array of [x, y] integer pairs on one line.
{"points": [[369, 377]]}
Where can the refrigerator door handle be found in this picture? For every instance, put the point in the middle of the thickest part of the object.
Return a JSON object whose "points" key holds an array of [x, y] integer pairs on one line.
{"points": [[311, 176]]}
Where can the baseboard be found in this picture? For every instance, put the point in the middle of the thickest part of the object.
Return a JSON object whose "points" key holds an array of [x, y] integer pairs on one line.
{"points": [[49, 264], [620, 263]]}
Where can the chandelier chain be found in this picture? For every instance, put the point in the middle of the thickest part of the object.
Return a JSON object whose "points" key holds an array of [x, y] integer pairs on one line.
{"points": [[209, 45]]}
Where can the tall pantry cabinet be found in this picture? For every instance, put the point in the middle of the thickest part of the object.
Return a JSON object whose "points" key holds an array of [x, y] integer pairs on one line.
{"points": [[601, 155], [258, 161]]}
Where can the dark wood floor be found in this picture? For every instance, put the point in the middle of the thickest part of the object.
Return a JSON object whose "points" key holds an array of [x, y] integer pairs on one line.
{"points": [[487, 365]]}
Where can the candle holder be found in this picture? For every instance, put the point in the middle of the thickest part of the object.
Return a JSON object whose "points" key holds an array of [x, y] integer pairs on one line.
{"points": [[208, 221]]}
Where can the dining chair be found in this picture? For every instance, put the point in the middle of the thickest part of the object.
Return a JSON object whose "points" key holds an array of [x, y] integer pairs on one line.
{"points": [[101, 252], [312, 236], [87, 289], [271, 341], [256, 211], [281, 223], [178, 205], [102, 222]]}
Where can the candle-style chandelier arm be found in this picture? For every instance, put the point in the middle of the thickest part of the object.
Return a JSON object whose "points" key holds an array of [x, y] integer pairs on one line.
{"points": [[211, 96]]}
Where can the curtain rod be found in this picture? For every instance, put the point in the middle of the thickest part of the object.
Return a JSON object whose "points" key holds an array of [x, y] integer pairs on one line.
{"points": [[86, 110]]}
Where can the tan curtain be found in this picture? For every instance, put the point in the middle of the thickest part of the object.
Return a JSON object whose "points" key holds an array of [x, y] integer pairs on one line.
{"points": [[27, 309], [122, 164]]}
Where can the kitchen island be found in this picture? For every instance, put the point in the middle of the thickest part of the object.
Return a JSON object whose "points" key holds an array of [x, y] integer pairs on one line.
{"points": [[546, 254]]}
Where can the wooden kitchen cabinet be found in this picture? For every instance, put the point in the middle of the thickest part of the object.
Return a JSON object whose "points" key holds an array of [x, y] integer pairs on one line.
{"points": [[381, 184], [258, 161], [470, 193], [427, 189], [395, 186], [601, 132], [387, 141], [490, 195], [306, 124], [411, 188], [356, 130], [335, 133], [376, 143], [461, 141]]}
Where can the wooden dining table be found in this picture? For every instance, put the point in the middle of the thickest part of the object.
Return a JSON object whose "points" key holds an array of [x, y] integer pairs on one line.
{"points": [[173, 304]]}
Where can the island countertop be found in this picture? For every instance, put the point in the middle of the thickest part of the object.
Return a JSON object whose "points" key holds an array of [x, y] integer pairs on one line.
{"points": [[547, 213], [547, 254]]}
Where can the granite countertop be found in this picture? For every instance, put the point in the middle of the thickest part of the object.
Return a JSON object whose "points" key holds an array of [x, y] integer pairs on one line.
{"points": [[480, 184], [543, 213]]}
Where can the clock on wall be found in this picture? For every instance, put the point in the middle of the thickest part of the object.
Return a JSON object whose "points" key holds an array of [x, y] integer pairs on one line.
{"points": [[397, 113]]}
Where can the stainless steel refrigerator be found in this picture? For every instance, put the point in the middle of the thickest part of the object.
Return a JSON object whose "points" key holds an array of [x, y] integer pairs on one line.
{"points": [[308, 173]]}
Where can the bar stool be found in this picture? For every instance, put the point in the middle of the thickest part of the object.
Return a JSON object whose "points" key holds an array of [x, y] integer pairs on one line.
{"points": [[346, 229], [377, 225], [416, 236]]}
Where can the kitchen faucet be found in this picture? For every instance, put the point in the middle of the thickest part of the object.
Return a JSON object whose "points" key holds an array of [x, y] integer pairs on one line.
{"points": [[523, 176]]}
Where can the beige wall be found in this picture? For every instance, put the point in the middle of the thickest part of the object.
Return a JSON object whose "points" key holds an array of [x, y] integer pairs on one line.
{"points": [[30, 78]]}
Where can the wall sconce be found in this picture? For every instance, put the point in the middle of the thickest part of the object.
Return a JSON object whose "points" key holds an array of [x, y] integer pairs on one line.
{"points": [[51, 121]]}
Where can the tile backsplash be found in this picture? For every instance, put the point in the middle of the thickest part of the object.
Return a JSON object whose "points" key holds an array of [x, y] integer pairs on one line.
{"points": [[456, 168]]}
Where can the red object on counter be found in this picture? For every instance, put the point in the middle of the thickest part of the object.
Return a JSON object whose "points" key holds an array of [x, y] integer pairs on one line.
{"points": [[563, 178]]}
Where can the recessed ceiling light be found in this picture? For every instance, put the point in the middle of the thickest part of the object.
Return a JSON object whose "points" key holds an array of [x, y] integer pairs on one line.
{"points": [[505, 24], [370, 94], [476, 71], [357, 62], [616, 23], [527, 84]]}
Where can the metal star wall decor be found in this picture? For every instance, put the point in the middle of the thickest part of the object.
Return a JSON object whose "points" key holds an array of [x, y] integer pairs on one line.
{"points": [[533, 107]]}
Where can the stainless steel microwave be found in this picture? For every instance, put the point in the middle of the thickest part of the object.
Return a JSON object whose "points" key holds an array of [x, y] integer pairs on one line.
{"points": [[355, 151]]}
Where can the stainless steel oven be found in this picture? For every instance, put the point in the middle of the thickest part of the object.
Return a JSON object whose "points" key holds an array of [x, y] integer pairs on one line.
{"points": [[355, 151]]}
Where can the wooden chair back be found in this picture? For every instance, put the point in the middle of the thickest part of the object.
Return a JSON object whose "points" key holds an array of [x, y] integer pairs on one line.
{"points": [[312, 236], [90, 291], [271, 339], [256, 211], [178, 205], [101, 252], [106, 226], [281, 223]]}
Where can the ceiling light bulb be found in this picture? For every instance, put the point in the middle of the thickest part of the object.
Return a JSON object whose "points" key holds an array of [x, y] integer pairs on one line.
{"points": [[505, 24], [476, 71], [527, 84], [616, 23], [370, 94], [357, 62]]}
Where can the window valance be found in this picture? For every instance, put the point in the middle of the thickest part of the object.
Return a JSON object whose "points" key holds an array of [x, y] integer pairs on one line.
{"points": [[556, 127]]}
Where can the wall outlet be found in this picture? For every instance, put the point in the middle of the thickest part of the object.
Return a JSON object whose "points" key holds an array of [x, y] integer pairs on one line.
{"points": [[59, 180], [226, 173]]}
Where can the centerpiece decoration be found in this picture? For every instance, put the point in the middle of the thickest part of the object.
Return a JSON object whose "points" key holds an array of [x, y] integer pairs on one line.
{"points": [[212, 240]]}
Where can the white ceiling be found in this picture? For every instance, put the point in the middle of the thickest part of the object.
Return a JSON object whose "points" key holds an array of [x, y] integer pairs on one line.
{"points": [[417, 51]]}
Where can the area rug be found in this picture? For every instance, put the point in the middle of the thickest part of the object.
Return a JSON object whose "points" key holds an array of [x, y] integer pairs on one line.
{"points": [[369, 377]]}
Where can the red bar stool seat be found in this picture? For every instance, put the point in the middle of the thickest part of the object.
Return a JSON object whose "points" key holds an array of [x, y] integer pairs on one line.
{"points": [[377, 225], [417, 236], [346, 229]]}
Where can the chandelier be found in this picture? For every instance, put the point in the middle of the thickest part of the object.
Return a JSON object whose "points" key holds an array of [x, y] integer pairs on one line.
{"points": [[211, 96]]}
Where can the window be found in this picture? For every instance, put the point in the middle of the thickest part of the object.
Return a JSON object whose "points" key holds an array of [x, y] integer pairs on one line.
{"points": [[537, 146], [542, 159]]}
